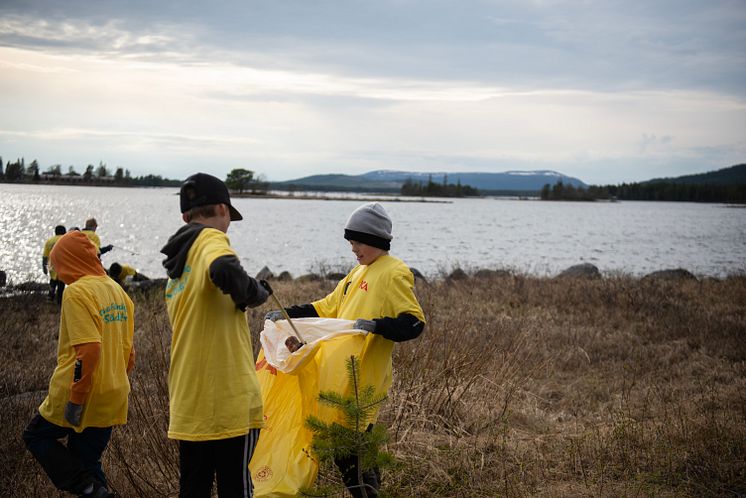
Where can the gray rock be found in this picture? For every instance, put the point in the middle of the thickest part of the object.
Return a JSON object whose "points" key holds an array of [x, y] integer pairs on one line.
{"points": [[265, 274], [484, 273], [285, 277], [583, 270], [458, 274], [672, 274], [310, 277], [418, 275]]}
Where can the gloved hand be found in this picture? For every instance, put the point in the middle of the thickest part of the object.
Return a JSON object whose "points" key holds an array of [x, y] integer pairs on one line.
{"points": [[274, 315], [368, 325], [105, 249], [44, 269], [73, 413], [267, 287]]}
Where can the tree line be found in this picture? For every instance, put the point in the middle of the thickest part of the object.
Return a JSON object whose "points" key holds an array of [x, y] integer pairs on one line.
{"points": [[647, 191], [19, 172], [432, 189]]}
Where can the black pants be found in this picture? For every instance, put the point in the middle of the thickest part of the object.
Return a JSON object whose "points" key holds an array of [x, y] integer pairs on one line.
{"points": [[371, 478], [224, 460], [75, 466], [56, 288]]}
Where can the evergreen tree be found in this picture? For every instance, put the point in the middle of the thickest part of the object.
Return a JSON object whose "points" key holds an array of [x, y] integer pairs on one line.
{"points": [[102, 171], [15, 171], [333, 441], [88, 175], [33, 170]]}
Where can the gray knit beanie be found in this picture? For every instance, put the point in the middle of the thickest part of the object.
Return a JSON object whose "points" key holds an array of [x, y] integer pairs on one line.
{"points": [[370, 224]]}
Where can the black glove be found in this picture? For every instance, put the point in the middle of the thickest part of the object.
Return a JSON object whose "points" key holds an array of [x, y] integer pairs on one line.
{"points": [[106, 249], [267, 287]]}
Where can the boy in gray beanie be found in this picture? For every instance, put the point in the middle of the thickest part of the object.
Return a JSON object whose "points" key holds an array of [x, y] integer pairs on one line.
{"points": [[379, 295]]}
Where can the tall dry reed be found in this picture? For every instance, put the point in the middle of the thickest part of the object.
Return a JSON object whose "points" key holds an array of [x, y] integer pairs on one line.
{"points": [[519, 387]]}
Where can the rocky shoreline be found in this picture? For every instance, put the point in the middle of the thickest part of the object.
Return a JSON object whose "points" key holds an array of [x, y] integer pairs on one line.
{"points": [[579, 271]]}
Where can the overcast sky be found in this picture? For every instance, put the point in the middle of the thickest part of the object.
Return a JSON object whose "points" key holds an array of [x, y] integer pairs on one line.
{"points": [[606, 91]]}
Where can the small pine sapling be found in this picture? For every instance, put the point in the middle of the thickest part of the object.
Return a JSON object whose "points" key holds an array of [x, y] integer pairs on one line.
{"points": [[356, 437]]}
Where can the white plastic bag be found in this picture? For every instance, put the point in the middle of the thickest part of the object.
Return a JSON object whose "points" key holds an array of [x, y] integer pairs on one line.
{"points": [[313, 330]]}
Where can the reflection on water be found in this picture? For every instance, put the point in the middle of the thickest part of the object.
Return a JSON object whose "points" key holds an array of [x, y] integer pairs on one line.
{"points": [[300, 235]]}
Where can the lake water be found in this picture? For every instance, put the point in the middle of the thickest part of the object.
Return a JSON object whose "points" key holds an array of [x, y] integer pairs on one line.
{"points": [[540, 238]]}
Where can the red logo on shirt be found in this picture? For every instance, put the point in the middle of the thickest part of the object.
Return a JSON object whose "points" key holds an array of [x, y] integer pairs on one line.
{"points": [[263, 364], [364, 285]]}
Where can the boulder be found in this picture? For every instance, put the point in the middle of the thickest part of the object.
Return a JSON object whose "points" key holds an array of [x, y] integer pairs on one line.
{"points": [[265, 274], [310, 277], [486, 274], [583, 270], [285, 277], [672, 274], [418, 275], [458, 274]]}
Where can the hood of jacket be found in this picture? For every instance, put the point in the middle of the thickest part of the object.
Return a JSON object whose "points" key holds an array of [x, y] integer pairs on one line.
{"points": [[177, 248], [74, 256]]}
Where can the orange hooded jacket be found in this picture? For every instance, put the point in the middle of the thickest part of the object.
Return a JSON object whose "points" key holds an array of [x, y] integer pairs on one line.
{"points": [[74, 256]]}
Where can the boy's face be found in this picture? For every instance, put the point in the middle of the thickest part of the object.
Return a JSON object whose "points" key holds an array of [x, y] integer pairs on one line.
{"points": [[364, 253]]}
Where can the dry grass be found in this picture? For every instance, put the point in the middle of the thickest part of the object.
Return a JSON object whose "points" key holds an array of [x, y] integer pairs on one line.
{"points": [[519, 387]]}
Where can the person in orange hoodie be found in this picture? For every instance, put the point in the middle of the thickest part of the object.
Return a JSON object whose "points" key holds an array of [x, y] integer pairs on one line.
{"points": [[89, 389]]}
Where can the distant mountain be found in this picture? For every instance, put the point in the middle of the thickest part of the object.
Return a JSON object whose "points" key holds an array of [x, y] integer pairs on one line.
{"points": [[391, 181], [734, 175]]}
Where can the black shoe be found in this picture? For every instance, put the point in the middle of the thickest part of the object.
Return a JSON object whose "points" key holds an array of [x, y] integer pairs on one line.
{"points": [[98, 491]]}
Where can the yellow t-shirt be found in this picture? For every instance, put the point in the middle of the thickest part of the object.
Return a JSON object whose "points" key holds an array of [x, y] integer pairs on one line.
{"points": [[212, 384], [94, 309], [93, 237], [384, 288], [48, 245], [127, 271]]}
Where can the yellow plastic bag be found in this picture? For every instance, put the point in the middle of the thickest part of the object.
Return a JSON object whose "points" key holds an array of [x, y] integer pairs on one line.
{"points": [[282, 463]]}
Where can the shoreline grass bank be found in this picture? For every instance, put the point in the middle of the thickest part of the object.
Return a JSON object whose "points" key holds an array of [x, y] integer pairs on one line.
{"points": [[520, 386]]}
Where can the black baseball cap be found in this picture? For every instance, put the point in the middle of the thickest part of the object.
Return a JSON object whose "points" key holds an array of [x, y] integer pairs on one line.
{"points": [[202, 189]]}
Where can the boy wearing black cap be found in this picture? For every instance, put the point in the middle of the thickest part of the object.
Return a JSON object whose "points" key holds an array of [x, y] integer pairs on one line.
{"points": [[379, 295], [214, 397]]}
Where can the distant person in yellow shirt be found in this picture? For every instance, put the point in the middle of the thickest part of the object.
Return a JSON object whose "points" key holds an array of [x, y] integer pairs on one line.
{"points": [[90, 231], [378, 294], [120, 273], [89, 389], [56, 286], [214, 397]]}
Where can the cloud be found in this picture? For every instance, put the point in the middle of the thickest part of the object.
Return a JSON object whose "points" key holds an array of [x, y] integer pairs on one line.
{"points": [[335, 86]]}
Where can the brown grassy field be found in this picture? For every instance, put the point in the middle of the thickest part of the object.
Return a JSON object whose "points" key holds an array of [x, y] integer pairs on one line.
{"points": [[519, 387]]}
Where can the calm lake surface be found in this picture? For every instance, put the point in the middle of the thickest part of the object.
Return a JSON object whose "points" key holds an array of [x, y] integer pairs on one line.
{"points": [[300, 236]]}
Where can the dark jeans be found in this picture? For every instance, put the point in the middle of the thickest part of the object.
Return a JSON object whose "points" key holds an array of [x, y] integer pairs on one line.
{"points": [[73, 467], [371, 478], [56, 288], [224, 460]]}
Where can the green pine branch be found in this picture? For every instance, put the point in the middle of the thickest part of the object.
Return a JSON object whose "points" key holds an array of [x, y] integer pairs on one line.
{"points": [[332, 440]]}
